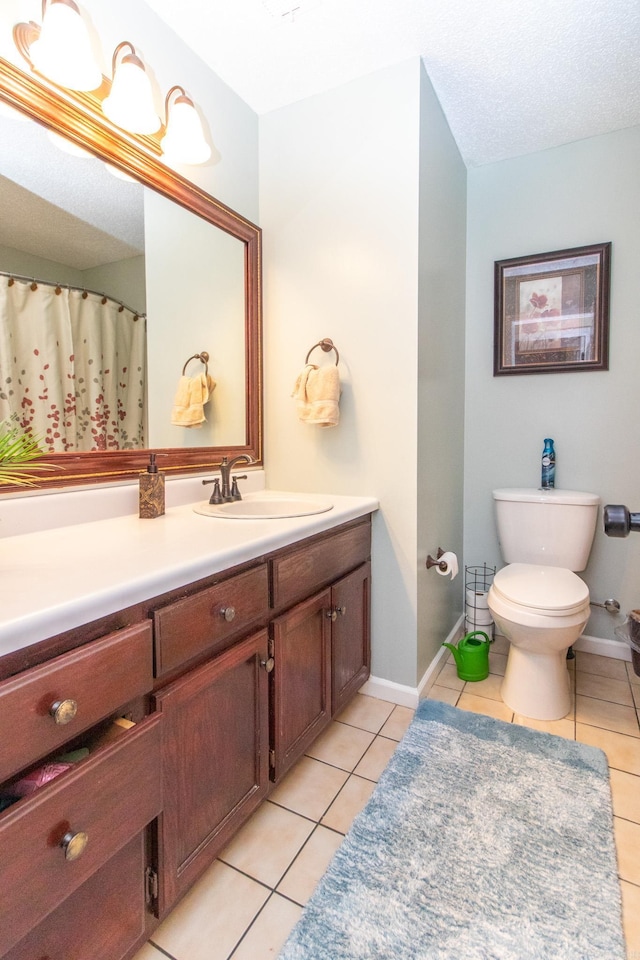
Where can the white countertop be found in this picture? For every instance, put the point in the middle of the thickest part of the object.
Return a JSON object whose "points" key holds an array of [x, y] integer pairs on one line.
{"points": [[55, 580]]}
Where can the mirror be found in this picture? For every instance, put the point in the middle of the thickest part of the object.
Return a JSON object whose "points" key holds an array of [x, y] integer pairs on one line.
{"points": [[190, 306]]}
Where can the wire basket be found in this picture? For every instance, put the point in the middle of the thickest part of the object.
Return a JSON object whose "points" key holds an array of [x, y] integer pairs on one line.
{"points": [[477, 581]]}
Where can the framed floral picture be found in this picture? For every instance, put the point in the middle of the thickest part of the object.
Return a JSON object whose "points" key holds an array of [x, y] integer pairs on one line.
{"points": [[552, 312]]}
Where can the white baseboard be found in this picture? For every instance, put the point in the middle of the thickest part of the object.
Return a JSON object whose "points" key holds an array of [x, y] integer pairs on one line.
{"points": [[604, 647], [396, 693], [406, 696]]}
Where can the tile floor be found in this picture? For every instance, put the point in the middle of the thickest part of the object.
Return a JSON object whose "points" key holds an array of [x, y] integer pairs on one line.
{"points": [[246, 903]]}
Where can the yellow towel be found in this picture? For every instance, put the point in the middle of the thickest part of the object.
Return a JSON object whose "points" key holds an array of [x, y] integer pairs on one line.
{"points": [[317, 394], [191, 396]]}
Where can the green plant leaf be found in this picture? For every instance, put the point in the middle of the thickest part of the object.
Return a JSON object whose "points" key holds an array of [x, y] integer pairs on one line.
{"points": [[18, 448]]}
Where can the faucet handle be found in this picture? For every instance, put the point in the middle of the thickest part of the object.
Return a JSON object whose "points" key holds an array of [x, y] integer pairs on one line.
{"points": [[216, 496], [235, 493]]}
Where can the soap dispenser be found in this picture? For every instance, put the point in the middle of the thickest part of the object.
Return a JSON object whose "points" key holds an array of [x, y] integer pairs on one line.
{"points": [[151, 491]]}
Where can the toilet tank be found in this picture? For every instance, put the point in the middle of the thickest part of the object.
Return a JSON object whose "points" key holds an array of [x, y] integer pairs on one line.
{"points": [[550, 527]]}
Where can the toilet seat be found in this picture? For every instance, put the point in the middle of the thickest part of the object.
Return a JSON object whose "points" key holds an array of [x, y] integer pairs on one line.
{"points": [[541, 590]]}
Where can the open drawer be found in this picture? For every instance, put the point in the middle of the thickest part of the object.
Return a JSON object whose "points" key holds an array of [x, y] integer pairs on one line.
{"points": [[59, 836], [47, 706]]}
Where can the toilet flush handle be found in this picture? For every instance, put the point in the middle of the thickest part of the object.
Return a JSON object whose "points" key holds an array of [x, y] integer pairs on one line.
{"points": [[611, 605], [618, 522]]}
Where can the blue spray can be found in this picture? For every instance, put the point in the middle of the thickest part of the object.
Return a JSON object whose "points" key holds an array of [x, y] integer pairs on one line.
{"points": [[548, 465]]}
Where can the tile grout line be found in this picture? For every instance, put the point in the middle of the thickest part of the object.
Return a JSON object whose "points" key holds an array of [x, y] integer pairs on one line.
{"points": [[164, 953], [248, 928], [273, 891]]}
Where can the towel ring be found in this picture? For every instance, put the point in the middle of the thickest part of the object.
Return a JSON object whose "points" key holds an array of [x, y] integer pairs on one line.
{"points": [[202, 357], [325, 345]]}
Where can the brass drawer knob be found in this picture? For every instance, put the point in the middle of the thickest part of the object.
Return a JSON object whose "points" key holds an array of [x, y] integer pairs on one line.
{"points": [[74, 844], [63, 711], [228, 613], [268, 665]]}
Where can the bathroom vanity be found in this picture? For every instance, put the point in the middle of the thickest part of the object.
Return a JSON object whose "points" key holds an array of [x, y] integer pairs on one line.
{"points": [[196, 659]]}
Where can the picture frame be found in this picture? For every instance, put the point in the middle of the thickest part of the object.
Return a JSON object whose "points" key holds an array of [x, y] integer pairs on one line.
{"points": [[552, 311]]}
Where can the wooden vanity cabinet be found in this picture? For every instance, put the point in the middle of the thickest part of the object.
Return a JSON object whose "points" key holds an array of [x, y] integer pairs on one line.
{"points": [[350, 635], [101, 920], [321, 659], [230, 680], [215, 759], [301, 680], [89, 821], [260, 692], [320, 645]]}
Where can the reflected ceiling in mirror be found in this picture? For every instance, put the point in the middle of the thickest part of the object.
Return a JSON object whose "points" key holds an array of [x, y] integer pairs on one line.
{"points": [[192, 245]]}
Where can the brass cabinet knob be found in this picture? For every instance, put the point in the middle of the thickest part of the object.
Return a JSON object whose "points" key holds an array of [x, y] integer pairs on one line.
{"points": [[63, 711], [332, 615], [74, 844], [341, 611], [268, 665], [228, 613]]}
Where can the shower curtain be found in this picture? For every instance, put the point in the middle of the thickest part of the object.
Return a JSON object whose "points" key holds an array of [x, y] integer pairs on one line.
{"points": [[72, 367]]}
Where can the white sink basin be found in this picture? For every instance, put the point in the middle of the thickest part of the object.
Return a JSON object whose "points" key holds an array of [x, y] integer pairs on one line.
{"points": [[266, 506]]}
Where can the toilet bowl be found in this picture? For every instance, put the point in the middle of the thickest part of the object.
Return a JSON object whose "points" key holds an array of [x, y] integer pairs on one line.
{"points": [[542, 611], [537, 601]]}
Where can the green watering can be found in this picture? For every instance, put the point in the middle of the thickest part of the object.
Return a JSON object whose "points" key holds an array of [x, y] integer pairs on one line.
{"points": [[472, 655]]}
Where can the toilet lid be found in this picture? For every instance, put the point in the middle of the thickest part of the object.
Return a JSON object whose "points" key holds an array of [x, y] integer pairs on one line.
{"points": [[541, 588]]}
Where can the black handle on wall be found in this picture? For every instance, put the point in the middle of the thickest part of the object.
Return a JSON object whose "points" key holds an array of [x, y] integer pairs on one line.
{"points": [[618, 522]]}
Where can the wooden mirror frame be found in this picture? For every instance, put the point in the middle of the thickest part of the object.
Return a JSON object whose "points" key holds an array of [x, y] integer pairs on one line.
{"points": [[78, 120]]}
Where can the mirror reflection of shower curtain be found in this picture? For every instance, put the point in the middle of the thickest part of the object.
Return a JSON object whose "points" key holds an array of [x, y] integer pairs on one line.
{"points": [[72, 367]]}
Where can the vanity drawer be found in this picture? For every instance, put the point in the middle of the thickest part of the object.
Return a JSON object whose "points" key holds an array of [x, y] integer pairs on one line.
{"points": [[101, 920], [110, 797], [302, 571], [98, 678], [204, 620]]}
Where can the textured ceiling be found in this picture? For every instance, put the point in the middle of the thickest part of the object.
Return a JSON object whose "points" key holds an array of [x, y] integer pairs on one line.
{"points": [[64, 208], [513, 76]]}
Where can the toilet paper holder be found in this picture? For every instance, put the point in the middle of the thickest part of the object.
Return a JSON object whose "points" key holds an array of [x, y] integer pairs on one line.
{"points": [[437, 562]]}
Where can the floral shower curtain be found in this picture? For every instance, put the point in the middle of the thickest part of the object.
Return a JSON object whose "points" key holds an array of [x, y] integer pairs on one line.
{"points": [[72, 367]]}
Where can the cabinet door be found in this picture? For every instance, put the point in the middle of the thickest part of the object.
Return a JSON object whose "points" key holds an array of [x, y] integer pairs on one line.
{"points": [[350, 636], [215, 760], [301, 679]]}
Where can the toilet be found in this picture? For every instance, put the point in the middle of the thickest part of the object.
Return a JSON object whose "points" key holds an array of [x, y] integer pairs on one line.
{"points": [[537, 601]]}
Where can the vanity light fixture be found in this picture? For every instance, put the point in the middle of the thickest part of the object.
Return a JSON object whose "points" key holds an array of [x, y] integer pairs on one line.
{"points": [[130, 101], [60, 48], [184, 140]]}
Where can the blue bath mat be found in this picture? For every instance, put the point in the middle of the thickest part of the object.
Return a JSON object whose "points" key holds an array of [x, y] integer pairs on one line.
{"points": [[483, 840]]}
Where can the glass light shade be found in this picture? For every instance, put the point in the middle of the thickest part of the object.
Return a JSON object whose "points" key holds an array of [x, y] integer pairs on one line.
{"points": [[130, 101], [63, 52], [184, 140]]}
